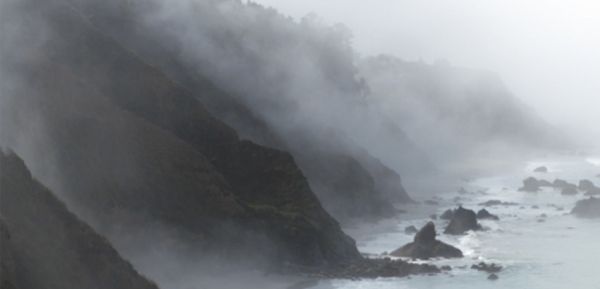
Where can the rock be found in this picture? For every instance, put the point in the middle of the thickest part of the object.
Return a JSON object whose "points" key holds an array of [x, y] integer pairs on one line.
{"points": [[432, 203], [541, 220], [462, 221], [530, 185], [497, 203], [456, 199], [535, 207], [433, 216], [462, 191], [569, 190], [543, 216], [585, 185], [588, 208], [493, 277], [447, 215], [558, 183], [484, 214], [593, 191], [425, 246], [446, 268], [541, 169], [492, 268], [544, 183], [410, 230]]}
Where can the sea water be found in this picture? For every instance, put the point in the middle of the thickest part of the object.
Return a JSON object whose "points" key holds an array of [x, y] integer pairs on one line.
{"points": [[561, 251]]}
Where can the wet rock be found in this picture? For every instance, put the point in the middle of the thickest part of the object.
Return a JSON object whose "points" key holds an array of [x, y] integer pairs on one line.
{"points": [[483, 214], [530, 185], [431, 202], [410, 230], [585, 185], [447, 215], [462, 221], [446, 268], [493, 277], [497, 203], [588, 208], [541, 169], [433, 216], [492, 268], [425, 246], [593, 191], [535, 207], [544, 183], [569, 190]]}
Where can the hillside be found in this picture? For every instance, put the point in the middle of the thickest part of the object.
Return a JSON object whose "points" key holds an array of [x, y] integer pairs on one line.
{"points": [[132, 152], [310, 144], [455, 113], [46, 246]]}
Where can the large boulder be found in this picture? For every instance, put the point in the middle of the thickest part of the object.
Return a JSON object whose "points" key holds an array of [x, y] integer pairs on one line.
{"points": [[425, 246], [530, 185], [541, 169], [483, 214], [585, 185], [463, 220], [588, 208]]}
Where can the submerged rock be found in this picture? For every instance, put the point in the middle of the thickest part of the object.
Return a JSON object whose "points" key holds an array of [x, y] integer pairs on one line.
{"points": [[463, 220], [530, 185], [541, 169], [425, 246], [447, 215], [588, 208], [492, 268], [484, 214]]}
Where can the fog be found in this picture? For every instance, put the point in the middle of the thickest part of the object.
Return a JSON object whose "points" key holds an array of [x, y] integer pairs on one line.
{"points": [[545, 51]]}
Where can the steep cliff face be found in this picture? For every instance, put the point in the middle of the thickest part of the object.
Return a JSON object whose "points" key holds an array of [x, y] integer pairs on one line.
{"points": [[372, 197], [46, 246], [128, 145]]}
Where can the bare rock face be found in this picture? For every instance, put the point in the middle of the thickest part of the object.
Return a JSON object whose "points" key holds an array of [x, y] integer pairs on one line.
{"points": [[425, 246], [484, 214], [593, 191], [463, 220], [544, 183], [530, 185], [589, 208]]}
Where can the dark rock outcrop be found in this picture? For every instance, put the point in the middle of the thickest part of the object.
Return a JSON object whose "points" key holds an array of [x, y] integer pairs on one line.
{"points": [[463, 220], [493, 277], [593, 191], [425, 246], [569, 190], [484, 214], [497, 203], [544, 183], [588, 208], [558, 183], [530, 185], [447, 215], [541, 169], [585, 185]]}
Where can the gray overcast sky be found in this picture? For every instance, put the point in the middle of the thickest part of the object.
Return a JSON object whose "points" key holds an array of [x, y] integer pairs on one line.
{"points": [[547, 52]]}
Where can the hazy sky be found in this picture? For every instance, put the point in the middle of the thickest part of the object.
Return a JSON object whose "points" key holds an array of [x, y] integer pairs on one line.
{"points": [[547, 52]]}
